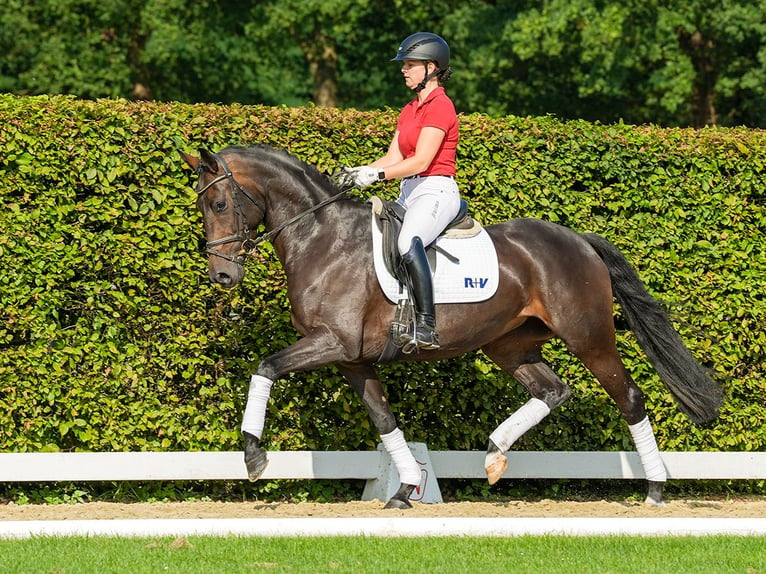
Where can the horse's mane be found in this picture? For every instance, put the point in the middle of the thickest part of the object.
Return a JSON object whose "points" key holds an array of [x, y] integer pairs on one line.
{"points": [[266, 152]]}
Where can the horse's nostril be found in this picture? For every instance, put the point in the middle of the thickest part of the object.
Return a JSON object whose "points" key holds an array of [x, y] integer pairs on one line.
{"points": [[223, 278]]}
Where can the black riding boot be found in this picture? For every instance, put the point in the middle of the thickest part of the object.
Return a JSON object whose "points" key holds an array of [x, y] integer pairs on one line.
{"points": [[422, 292]]}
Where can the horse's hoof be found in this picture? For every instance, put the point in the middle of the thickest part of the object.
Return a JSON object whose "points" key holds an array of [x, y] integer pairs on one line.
{"points": [[495, 464], [401, 500], [654, 496], [255, 457], [397, 504], [256, 462]]}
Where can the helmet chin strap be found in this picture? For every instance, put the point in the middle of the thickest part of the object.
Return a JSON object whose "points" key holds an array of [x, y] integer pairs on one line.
{"points": [[426, 78]]}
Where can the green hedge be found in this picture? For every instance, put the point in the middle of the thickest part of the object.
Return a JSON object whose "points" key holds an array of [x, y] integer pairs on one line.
{"points": [[112, 338]]}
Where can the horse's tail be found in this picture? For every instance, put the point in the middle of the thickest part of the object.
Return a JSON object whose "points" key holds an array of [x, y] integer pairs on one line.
{"points": [[696, 393]]}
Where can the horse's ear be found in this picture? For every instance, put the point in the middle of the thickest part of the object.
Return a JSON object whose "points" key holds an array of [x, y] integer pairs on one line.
{"points": [[208, 160], [190, 160]]}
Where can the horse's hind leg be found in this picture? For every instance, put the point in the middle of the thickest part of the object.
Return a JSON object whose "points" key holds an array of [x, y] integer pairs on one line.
{"points": [[548, 392], [365, 382], [610, 372], [584, 319]]}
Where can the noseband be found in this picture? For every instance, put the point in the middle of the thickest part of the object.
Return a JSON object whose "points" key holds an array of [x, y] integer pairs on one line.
{"points": [[248, 245]]}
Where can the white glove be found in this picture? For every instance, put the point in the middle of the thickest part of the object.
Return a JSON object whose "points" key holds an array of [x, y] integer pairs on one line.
{"points": [[360, 177]]}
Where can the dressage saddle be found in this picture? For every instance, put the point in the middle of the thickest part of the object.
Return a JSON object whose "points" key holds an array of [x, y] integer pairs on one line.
{"points": [[390, 216]]}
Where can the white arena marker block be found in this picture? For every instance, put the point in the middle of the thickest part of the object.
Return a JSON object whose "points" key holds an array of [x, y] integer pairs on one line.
{"points": [[387, 483]]}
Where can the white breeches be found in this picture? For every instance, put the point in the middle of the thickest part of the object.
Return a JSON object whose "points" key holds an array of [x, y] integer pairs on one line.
{"points": [[432, 203]]}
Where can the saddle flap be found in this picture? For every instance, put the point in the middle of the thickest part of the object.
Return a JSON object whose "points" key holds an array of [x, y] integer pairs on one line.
{"points": [[377, 205], [389, 221]]}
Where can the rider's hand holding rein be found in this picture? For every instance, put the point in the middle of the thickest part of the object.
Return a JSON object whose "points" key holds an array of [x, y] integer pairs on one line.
{"points": [[361, 176]]}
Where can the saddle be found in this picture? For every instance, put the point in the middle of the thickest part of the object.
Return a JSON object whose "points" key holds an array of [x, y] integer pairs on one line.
{"points": [[390, 216]]}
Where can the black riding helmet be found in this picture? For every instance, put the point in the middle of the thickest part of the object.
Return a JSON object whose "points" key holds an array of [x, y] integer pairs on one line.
{"points": [[427, 47], [424, 46]]}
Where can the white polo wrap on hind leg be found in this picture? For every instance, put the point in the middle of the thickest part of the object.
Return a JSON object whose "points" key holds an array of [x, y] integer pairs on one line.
{"points": [[511, 429], [406, 465], [257, 400], [646, 445]]}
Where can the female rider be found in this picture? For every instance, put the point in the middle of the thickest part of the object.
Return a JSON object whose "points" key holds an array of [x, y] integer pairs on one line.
{"points": [[422, 153]]}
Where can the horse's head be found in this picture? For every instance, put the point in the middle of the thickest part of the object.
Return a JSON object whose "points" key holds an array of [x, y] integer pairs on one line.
{"points": [[230, 213]]}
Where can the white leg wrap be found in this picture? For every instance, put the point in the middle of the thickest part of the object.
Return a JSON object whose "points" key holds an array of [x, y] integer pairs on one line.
{"points": [[646, 445], [255, 409], [406, 465], [511, 429]]}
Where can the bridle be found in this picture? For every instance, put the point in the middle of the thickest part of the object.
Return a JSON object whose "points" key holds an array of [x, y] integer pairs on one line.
{"points": [[243, 233], [248, 245]]}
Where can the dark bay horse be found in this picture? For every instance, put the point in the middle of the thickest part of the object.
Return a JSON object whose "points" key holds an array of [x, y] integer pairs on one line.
{"points": [[554, 282]]}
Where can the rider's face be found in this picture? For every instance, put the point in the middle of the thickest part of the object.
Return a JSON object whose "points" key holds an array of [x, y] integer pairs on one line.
{"points": [[414, 71]]}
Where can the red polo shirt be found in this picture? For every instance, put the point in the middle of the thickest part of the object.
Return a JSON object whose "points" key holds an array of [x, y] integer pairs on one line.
{"points": [[436, 111]]}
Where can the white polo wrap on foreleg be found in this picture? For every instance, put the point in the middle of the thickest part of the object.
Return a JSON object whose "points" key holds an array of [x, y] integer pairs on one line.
{"points": [[511, 429], [255, 409], [406, 465], [646, 445]]}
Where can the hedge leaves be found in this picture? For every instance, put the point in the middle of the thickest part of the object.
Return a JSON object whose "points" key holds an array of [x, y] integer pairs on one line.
{"points": [[112, 338]]}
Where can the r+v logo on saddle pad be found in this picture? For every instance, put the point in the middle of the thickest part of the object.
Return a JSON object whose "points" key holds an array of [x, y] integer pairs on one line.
{"points": [[475, 282]]}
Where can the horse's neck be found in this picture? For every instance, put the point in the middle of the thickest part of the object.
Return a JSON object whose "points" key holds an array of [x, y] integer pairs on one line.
{"points": [[305, 230], [293, 197], [293, 192]]}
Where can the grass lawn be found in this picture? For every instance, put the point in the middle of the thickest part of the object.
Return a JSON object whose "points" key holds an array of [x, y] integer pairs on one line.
{"points": [[358, 555]]}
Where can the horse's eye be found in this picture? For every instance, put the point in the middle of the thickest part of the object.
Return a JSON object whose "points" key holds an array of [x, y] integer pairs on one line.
{"points": [[219, 206]]}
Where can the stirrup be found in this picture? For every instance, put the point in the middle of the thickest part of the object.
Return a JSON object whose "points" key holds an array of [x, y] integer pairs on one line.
{"points": [[413, 342]]}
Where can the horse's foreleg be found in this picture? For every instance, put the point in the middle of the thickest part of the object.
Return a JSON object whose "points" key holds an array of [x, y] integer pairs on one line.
{"points": [[253, 423], [548, 392], [364, 380], [315, 350], [406, 465]]}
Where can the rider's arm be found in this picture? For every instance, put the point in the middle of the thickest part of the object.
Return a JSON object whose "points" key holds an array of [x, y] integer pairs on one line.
{"points": [[393, 155]]}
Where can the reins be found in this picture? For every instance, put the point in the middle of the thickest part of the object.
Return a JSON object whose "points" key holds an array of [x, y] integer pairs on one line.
{"points": [[249, 246]]}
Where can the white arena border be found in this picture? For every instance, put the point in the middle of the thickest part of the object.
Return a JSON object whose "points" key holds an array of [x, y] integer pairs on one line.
{"points": [[386, 527]]}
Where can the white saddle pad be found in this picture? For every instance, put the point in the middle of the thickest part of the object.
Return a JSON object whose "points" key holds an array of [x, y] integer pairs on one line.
{"points": [[473, 278]]}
